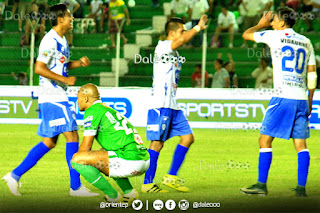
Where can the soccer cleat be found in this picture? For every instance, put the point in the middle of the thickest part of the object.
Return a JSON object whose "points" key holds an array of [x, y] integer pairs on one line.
{"points": [[83, 192], [12, 184], [152, 188], [130, 197], [175, 183], [300, 191], [118, 199], [256, 189]]}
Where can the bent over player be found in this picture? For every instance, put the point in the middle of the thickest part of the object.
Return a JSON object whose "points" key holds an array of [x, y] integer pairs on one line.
{"points": [[52, 65], [287, 113], [123, 154], [165, 119]]}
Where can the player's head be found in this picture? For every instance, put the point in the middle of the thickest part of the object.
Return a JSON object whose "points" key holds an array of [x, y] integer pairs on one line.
{"points": [[197, 68], [218, 64], [87, 95], [224, 9], [264, 62], [35, 6], [228, 66], [174, 28], [284, 17], [22, 75], [60, 15]]}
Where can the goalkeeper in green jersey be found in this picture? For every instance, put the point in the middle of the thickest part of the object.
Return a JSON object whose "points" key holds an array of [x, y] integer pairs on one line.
{"points": [[122, 155]]}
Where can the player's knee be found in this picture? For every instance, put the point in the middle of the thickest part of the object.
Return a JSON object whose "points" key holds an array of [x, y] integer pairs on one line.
{"points": [[77, 158]]}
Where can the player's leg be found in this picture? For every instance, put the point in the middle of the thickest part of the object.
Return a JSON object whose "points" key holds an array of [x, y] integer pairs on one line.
{"points": [[265, 159], [158, 130], [35, 154], [216, 37], [231, 34], [148, 184], [179, 127], [90, 165], [303, 166]]}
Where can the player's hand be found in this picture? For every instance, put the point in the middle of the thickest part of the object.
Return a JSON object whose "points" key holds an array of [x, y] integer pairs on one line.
{"points": [[70, 81], [203, 21], [266, 19], [219, 55], [84, 61]]}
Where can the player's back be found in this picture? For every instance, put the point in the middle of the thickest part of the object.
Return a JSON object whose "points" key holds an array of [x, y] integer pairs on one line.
{"points": [[166, 73], [291, 54], [114, 132], [54, 52]]}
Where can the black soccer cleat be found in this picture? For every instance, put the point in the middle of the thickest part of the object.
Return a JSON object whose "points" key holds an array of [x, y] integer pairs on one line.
{"points": [[256, 189], [300, 191]]}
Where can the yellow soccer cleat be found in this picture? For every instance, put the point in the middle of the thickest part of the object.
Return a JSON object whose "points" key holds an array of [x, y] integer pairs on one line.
{"points": [[152, 188], [175, 183], [130, 197]]}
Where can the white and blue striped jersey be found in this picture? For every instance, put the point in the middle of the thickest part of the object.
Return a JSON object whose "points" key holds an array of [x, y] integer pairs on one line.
{"points": [[291, 54], [54, 52], [166, 73]]}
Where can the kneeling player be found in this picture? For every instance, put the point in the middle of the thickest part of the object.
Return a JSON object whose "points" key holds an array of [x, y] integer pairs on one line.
{"points": [[122, 155]]}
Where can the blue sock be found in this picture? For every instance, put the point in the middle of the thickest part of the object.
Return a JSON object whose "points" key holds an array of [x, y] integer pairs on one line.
{"points": [[265, 159], [178, 157], [71, 149], [32, 158], [151, 172], [303, 166]]}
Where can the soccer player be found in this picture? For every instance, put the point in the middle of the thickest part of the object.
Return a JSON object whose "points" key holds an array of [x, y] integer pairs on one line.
{"points": [[123, 154], [52, 65], [287, 114], [165, 119]]}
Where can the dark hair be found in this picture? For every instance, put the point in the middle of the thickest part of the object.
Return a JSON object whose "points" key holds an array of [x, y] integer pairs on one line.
{"points": [[21, 74], [224, 6], [58, 10], [266, 60], [172, 24], [198, 65], [220, 61], [226, 63], [288, 15]]}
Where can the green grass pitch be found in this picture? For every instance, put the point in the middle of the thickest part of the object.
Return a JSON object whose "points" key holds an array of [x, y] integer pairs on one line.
{"points": [[45, 187]]}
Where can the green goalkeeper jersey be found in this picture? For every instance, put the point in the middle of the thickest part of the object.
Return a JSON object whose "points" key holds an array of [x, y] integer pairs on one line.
{"points": [[114, 132]]}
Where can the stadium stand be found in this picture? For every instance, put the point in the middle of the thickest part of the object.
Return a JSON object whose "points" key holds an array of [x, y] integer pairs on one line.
{"points": [[14, 58]]}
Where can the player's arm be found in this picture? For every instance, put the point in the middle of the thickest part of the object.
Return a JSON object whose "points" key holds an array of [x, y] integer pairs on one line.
{"points": [[264, 22], [186, 37], [42, 69], [126, 11], [76, 7], [312, 84], [83, 62], [86, 144]]}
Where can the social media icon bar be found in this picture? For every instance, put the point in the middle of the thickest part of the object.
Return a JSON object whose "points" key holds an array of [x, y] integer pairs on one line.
{"points": [[158, 205], [137, 205], [183, 205], [170, 205]]}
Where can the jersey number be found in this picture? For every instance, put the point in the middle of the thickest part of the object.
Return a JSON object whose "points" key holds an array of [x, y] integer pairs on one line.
{"points": [[123, 125], [300, 60]]}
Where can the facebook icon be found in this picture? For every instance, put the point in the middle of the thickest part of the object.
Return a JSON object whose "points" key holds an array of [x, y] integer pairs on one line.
{"points": [[170, 205]]}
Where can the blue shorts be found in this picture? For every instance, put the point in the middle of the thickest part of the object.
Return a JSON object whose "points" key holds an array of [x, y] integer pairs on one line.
{"points": [[286, 118], [56, 119], [165, 123]]}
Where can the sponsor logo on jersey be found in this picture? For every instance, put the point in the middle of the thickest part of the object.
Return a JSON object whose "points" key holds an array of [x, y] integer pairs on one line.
{"points": [[287, 35], [62, 59]]}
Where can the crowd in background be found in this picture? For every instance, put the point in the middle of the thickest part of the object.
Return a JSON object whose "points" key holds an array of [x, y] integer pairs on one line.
{"points": [[107, 14]]}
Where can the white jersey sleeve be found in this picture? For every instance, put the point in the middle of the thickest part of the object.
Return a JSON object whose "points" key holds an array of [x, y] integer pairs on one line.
{"points": [[46, 51], [312, 58], [263, 37]]}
